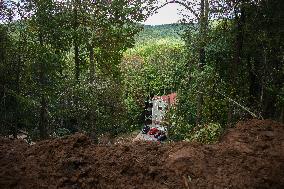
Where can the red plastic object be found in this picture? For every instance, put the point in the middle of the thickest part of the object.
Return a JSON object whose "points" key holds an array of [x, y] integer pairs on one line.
{"points": [[153, 131]]}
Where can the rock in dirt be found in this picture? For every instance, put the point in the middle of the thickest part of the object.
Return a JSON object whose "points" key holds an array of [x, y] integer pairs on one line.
{"points": [[251, 155]]}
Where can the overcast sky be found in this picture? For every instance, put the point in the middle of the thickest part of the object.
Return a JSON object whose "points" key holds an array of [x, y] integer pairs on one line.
{"points": [[165, 15]]}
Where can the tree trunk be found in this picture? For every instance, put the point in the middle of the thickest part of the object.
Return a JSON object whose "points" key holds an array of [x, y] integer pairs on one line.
{"points": [[240, 20], [281, 118], [17, 116], [43, 122], [199, 108], [92, 63], [203, 24], [254, 88], [43, 118], [77, 61], [230, 115], [76, 41], [92, 117]]}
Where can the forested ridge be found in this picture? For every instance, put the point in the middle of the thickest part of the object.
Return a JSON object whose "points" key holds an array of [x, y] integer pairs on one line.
{"points": [[89, 66], [166, 32]]}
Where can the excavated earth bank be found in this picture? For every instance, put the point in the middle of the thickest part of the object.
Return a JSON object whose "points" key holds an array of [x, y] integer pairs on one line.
{"points": [[251, 155]]}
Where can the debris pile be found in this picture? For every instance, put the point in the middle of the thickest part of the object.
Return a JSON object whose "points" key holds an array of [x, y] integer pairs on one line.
{"points": [[154, 133]]}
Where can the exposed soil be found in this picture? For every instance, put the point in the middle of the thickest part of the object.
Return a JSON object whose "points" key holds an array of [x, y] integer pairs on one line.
{"points": [[251, 155]]}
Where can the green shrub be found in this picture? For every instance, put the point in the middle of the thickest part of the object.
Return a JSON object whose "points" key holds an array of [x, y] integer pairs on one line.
{"points": [[208, 133], [60, 132]]}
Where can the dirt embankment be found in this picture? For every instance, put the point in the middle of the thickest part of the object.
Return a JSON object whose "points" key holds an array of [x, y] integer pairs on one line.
{"points": [[248, 156]]}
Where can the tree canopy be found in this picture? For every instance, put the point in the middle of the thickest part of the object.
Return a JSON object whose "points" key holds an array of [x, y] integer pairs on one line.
{"points": [[88, 66]]}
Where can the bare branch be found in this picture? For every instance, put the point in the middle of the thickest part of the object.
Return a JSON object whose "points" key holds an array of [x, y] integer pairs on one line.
{"points": [[180, 3]]}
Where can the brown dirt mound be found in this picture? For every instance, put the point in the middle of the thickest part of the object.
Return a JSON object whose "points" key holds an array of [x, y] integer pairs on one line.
{"points": [[248, 156]]}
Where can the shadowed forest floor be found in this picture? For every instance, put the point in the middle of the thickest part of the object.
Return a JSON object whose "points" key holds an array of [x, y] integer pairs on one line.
{"points": [[251, 155]]}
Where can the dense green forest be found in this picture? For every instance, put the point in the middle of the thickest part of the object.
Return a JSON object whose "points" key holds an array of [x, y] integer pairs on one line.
{"points": [[89, 66], [168, 33]]}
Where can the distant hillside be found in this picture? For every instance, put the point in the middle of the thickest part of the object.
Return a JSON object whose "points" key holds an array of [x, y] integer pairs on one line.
{"points": [[168, 32]]}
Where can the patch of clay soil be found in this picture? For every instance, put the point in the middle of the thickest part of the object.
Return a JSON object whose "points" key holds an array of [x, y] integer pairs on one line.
{"points": [[251, 155]]}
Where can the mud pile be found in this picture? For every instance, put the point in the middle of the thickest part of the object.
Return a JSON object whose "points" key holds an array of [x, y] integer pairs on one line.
{"points": [[248, 156]]}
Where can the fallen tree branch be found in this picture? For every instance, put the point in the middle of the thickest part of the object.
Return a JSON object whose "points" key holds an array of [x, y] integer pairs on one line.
{"points": [[238, 104]]}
